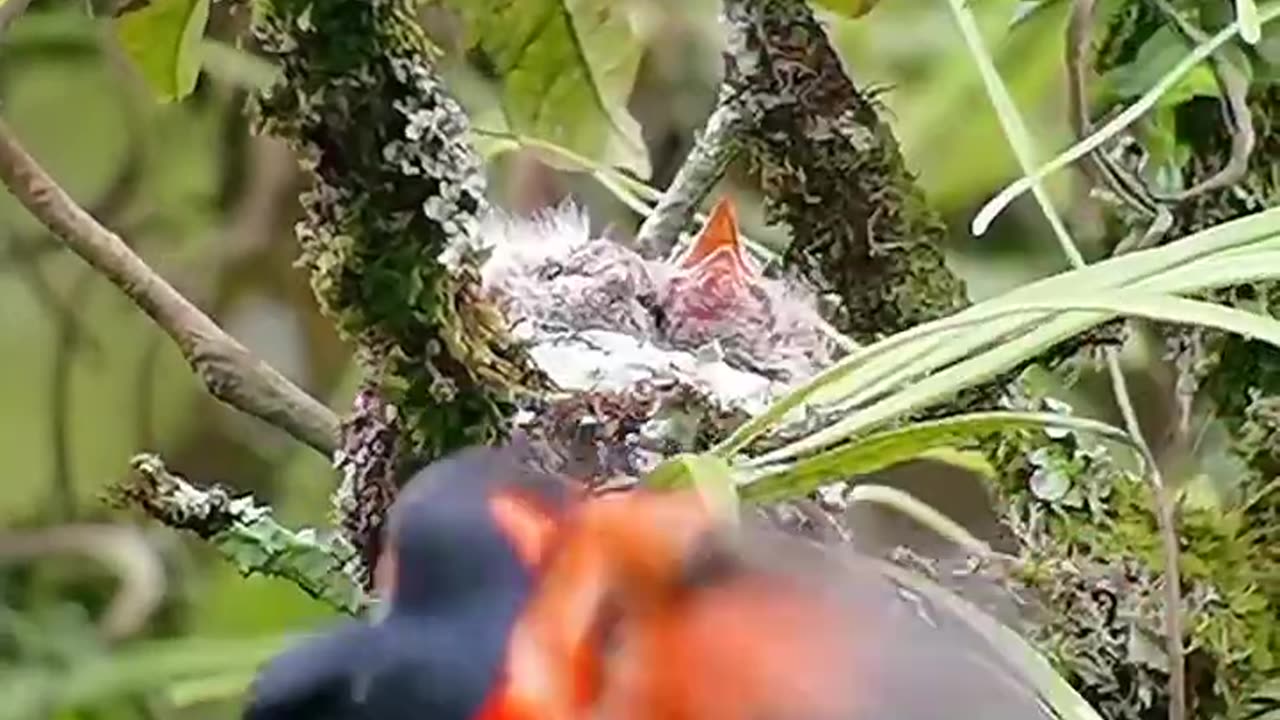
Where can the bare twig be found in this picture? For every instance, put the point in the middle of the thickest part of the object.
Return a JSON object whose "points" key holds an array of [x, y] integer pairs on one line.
{"points": [[144, 383], [1234, 87], [122, 548], [228, 370], [714, 149], [246, 533], [1165, 518], [1128, 187], [68, 344], [1102, 168], [25, 254], [1166, 523], [10, 11]]}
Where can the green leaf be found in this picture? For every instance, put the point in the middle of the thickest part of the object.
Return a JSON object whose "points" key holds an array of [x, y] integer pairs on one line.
{"points": [[987, 214], [163, 38], [708, 474], [1158, 56], [567, 68], [848, 8], [237, 65], [882, 450]]}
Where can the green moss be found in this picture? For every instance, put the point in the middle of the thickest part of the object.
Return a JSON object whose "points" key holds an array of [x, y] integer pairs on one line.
{"points": [[831, 171], [1094, 554], [395, 199]]}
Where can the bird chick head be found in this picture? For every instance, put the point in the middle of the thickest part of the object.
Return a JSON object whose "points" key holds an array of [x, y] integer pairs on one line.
{"points": [[599, 316]]}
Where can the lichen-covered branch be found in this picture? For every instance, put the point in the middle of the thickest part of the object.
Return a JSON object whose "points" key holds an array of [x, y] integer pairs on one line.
{"points": [[831, 171], [227, 369], [396, 198], [397, 195], [245, 533], [714, 149]]}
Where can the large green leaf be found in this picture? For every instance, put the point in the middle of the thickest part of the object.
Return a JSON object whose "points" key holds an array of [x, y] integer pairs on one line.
{"points": [[566, 69], [163, 38], [848, 8], [1160, 54]]}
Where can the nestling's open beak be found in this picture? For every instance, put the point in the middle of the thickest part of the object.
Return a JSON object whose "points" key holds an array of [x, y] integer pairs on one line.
{"points": [[717, 252]]}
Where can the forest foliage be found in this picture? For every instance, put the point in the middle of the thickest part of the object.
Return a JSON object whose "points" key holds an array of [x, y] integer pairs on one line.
{"points": [[1119, 394]]}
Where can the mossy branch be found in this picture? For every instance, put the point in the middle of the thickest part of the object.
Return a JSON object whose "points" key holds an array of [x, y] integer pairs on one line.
{"points": [[245, 533], [717, 145], [389, 222], [831, 171]]}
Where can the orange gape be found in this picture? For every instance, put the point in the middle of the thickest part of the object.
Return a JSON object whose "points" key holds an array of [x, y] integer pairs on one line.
{"points": [[612, 633], [714, 276]]}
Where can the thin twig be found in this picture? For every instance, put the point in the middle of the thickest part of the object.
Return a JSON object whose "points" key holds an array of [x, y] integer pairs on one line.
{"points": [[227, 369], [10, 11], [68, 345], [124, 549], [1104, 170], [1100, 167], [25, 254], [145, 386], [1234, 87], [715, 147], [1013, 126], [1166, 523], [1135, 193]]}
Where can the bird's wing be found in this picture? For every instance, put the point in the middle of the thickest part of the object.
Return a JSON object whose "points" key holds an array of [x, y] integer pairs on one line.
{"points": [[312, 680], [905, 656], [786, 630]]}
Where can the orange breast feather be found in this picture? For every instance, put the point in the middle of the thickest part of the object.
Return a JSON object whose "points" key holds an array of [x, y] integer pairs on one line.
{"points": [[612, 634]]}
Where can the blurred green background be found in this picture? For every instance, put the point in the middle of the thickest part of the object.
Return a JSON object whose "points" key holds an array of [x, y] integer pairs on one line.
{"points": [[88, 381]]}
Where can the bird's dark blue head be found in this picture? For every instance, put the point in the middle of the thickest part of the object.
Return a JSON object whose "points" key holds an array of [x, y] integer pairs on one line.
{"points": [[449, 545], [458, 584]]}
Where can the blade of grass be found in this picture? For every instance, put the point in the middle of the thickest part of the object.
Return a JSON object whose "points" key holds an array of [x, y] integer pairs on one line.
{"points": [[1139, 270], [1165, 512], [882, 450], [920, 511], [989, 364], [1250, 23], [983, 219]]}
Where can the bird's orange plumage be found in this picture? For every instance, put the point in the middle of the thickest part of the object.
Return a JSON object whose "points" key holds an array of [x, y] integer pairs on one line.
{"points": [[614, 632]]}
